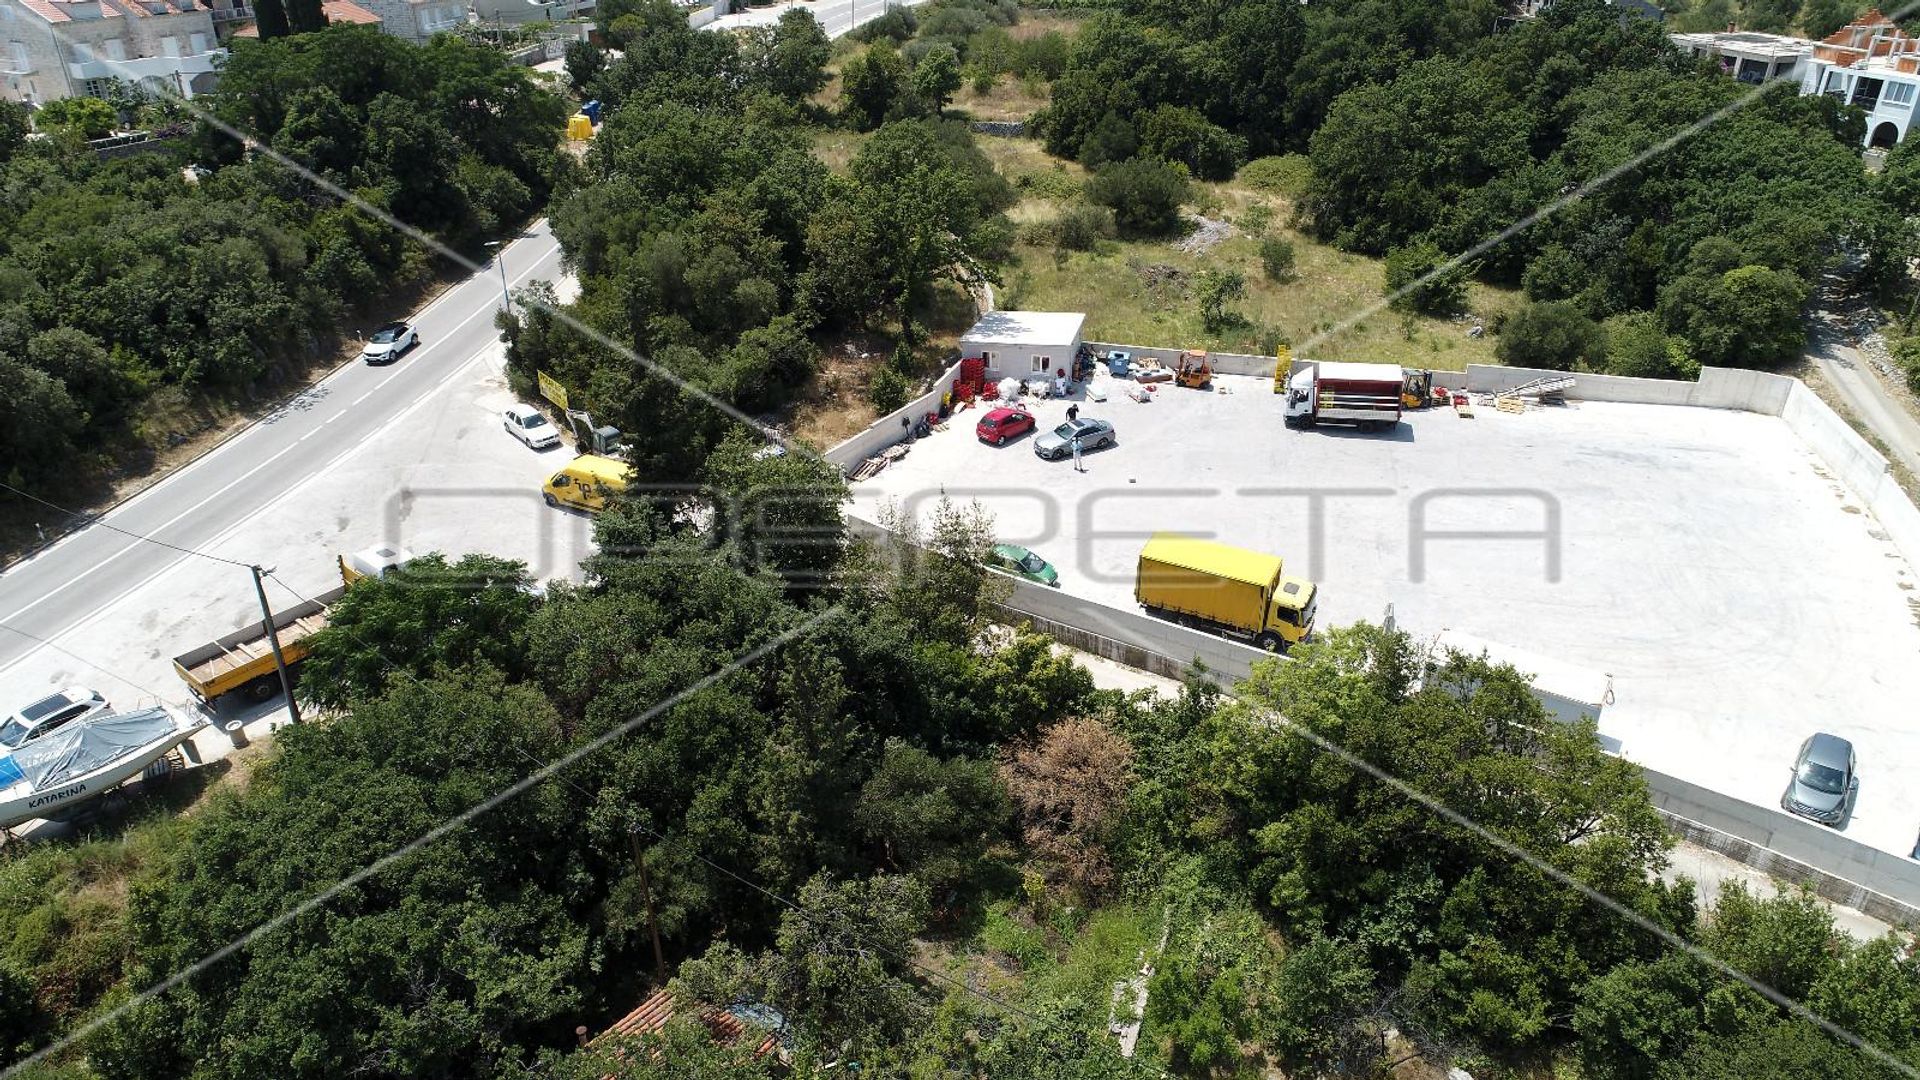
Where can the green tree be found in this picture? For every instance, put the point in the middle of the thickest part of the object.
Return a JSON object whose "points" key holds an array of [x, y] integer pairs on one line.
{"points": [[86, 117], [1321, 996], [790, 57], [1112, 139], [1176, 134], [1636, 346], [1749, 316], [41, 422], [781, 510], [1552, 334], [1820, 18], [871, 85], [14, 125], [930, 817], [1638, 1015], [1422, 279], [937, 77], [1219, 290], [584, 61], [417, 621], [1145, 196]]}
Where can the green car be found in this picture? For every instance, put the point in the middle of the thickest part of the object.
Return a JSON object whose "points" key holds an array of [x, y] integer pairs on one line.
{"points": [[1017, 560]]}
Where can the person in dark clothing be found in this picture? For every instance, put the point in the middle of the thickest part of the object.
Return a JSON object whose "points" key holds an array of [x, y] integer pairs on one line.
{"points": [[1073, 413]]}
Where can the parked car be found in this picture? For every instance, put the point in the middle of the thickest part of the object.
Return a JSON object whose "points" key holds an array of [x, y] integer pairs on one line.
{"points": [[1020, 562], [999, 425], [388, 342], [1058, 443], [50, 714], [530, 426], [1824, 781]]}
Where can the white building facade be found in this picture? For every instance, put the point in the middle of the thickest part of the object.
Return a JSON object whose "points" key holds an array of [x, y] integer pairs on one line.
{"points": [[1872, 64], [53, 49], [1025, 343]]}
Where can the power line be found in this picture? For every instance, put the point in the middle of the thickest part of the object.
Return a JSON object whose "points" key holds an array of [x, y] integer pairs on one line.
{"points": [[102, 522]]}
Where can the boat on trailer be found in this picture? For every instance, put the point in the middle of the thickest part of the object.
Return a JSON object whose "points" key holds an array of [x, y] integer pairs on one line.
{"points": [[86, 759]]}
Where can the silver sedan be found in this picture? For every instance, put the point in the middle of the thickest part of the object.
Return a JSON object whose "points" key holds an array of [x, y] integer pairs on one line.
{"points": [[1058, 443]]}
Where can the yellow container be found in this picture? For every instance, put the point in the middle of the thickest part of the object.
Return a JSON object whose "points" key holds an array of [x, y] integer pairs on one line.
{"points": [[579, 127]]}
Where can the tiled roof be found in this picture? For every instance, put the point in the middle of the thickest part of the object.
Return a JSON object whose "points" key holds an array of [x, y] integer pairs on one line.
{"points": [[346, 11], [47, 11], [653, 1014]]}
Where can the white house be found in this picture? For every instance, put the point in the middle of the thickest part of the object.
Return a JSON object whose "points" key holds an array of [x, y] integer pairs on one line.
{"points": [[1748, 56], [1021, 343], [1875, 65], [52, 49]]}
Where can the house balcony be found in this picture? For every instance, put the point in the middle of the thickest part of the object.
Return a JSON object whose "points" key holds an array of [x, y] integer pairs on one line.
{"points": [[145, 67], [232, 13]]}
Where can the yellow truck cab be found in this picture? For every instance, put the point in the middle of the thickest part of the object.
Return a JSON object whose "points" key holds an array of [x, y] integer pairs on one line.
{"points": [[1230, 591], [586, 483]]}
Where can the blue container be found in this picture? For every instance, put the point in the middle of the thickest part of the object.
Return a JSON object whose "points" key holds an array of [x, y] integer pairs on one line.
{"points": [[592, 109]]}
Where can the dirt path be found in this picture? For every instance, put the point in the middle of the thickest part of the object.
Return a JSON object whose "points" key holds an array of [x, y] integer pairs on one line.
{"points": [[1845, 358]]}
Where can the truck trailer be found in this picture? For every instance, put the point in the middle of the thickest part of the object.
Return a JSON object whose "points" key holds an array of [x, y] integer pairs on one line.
{"points": [[1230, 591], [1365, 394], [242, 664]]}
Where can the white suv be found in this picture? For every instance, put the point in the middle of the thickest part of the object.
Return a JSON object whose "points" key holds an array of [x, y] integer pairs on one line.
{"points": [[50, 714], [388, 342]]}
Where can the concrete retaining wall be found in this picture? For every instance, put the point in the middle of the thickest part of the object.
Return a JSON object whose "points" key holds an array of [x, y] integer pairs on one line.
{"points": [[1884, 886], [1224, 363], [1879, 884], [890, 428]]}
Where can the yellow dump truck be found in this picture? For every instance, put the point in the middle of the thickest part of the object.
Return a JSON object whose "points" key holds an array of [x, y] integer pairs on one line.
{"points": [[241, 664], [1230, 591]]}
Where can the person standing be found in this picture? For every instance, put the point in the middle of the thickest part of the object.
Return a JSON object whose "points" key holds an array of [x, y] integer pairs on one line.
{"points": [[1073, 413], [1077, 467]]}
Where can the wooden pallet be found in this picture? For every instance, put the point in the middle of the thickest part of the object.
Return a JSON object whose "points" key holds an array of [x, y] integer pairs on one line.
{"points": [[1509, 405]]}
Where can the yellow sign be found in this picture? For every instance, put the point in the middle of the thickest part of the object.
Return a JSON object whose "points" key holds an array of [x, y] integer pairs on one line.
{"points": [[551, 389]]}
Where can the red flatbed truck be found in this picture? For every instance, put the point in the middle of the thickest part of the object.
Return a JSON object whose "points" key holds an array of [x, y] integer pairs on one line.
{"points": [[1329, 390]]}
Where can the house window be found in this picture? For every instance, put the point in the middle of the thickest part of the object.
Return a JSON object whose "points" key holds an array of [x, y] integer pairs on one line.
{"points": [[17, 52], [198, 42], [170, 46], [1898, 94], [1836, 83], [116, 49], [99, 88], [1043, 364], [82, 53]]}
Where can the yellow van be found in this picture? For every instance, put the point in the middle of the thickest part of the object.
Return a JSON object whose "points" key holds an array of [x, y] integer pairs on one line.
{"points": [[586, 483]]}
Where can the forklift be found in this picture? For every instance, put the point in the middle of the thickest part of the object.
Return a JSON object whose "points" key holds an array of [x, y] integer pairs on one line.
{"points": [[1417, 391], [1192, 370]]}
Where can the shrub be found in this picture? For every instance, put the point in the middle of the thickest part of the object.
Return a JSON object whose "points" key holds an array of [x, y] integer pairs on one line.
{"points": [[898, 23], [1145, 196], [1417, 282], [1286, 175], [1276, 258], [1636, 346], [1907, 353], [1552, 334], [888, 390], [1219, 289], [1080, 228], [1112, 139], [1209, 151]]}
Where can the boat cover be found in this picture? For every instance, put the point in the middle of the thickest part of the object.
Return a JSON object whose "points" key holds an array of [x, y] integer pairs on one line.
{"points": [[82, 747]]}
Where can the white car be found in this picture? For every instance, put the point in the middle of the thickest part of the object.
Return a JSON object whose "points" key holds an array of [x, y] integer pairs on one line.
{"points": [[388, 342], [50, 714], [530, 426]]}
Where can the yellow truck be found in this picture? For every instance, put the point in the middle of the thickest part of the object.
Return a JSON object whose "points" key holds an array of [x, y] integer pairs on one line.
{"points": [[1230, 591], [586, 483], [241, 664]]}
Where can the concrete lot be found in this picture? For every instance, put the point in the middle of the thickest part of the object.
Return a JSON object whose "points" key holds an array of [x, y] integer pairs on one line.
{"points": [[1703, 558], [442, 476]]}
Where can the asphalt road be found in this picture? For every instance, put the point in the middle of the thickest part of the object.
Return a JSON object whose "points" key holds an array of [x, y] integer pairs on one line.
{"points": [[1831, 350], [43, 597], [55, 590]]}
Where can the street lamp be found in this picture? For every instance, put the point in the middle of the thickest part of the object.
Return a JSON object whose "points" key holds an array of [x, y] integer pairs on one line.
{"points": [[500, 260]]}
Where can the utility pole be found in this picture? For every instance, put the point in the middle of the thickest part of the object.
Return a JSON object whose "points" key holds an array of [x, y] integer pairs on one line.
{"points": [[646, 897], [500, 260], [273, 638]]}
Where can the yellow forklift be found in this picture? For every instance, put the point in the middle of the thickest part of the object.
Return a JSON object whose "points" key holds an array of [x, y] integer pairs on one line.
{"points": [[1193, 370], [1416, 392]]}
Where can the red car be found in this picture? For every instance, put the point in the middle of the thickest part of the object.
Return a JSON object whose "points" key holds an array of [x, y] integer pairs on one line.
{"points": [[999, 425]]}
